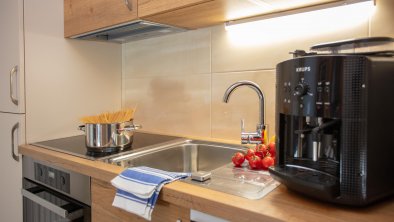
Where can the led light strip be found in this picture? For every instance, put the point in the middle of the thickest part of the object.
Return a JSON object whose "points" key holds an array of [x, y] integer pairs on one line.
{"points": [[296, 11]]}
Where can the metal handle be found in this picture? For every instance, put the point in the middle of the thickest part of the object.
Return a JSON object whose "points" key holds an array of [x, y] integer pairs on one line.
{"points": [[123, 136], [128, 4], [82, 127], [52, 207], [14, 128], [130, 128], [13, 71]]}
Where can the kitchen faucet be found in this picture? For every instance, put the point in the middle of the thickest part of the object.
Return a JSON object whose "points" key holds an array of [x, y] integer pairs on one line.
{"points": [[249, 137]]}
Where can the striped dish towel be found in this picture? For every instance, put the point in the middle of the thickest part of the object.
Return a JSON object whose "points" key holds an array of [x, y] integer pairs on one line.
{"points": [[138, 189]]}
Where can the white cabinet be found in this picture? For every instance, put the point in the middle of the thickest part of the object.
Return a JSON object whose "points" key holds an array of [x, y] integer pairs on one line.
{"points": [[11, 134], [11, 108], [11, 56]]}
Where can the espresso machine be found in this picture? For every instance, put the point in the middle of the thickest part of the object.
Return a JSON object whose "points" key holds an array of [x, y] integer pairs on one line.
{"points": [[334, 122]]}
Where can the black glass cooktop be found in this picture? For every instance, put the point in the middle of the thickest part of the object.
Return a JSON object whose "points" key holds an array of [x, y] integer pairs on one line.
{"points": [[75, 145]]}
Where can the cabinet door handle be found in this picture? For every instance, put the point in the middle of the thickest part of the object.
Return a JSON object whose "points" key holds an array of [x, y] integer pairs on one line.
{"points": [[13, 72], [14, 128], [128, 4]]}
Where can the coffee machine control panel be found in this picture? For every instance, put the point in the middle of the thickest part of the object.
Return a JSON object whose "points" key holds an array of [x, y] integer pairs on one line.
{"points": [[309, 87]]}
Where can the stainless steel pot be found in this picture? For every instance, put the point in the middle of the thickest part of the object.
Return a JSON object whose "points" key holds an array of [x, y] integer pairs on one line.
{"points": [[109, 137]]}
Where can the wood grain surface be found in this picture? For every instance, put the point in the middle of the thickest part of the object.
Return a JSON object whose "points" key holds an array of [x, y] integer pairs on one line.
{"points": [[89, 15], [198, 14], [153, 7]]}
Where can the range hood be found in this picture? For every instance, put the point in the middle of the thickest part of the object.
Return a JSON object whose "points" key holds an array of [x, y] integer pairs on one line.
{"points": [[135, 30]]}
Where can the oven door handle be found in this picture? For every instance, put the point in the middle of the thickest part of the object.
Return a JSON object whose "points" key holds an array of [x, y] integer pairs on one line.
{"points": [[52, 207]]}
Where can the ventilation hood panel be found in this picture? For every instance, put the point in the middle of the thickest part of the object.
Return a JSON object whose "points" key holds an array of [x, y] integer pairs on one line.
{"points": [[132, 31]]}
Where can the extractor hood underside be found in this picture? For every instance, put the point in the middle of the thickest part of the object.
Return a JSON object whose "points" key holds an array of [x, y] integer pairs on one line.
{"points": [[135, 30]]}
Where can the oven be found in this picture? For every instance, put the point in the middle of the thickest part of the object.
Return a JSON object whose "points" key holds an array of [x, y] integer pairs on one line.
{"points": [[54, 194]]}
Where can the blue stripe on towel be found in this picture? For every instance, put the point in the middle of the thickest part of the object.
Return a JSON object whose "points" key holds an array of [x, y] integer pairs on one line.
{"points": [[153, 199], [162, 172], [130, 196], [153, 172], [129, 178], [141, 177]]}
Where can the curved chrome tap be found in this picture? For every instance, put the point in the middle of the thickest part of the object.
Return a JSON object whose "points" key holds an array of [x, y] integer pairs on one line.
{"points": [[254, 137]]}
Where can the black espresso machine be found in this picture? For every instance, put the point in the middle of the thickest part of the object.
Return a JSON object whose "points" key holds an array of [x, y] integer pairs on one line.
{"points": [[334, 122]]}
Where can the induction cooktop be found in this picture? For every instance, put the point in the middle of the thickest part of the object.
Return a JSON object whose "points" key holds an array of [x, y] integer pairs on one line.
{"points": [[75, 145]]}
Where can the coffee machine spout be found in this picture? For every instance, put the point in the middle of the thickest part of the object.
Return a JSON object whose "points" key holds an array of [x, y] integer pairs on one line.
{"points": [[316, 148]]}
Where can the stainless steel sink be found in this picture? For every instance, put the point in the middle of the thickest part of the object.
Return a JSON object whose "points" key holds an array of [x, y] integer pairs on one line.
{"points": [[181, 156], [185, 155]]}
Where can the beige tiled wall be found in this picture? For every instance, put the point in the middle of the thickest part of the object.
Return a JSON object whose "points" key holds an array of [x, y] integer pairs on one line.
{"points": [[171, 104], [178, 81], [169, 80], [184, 54]]}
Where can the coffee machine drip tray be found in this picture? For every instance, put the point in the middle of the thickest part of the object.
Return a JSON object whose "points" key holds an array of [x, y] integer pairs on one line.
{"points": [[316, 183]]}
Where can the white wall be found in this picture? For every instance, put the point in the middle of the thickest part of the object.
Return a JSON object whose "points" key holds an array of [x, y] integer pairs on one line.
{"points": [[65, 79]]}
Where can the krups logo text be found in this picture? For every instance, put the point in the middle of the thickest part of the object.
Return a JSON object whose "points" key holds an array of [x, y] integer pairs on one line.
{"points": [[303, 69]]}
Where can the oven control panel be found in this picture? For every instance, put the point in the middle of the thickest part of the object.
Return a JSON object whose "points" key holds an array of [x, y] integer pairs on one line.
{"points": [[69, 183], [52, 177]]}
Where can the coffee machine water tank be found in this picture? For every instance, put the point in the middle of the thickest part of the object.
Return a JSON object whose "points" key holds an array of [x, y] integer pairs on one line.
{"points": [[334, 118]]}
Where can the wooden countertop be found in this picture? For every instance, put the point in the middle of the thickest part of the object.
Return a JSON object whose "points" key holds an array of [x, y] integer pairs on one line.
{"points": [[279, 205]]}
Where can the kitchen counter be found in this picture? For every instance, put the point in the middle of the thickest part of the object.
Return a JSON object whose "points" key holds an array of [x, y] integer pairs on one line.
{"points": [[279, 205]]}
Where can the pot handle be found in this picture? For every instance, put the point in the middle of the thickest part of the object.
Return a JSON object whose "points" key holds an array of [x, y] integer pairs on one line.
{"points": [[130, 128], [81, 127]]}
